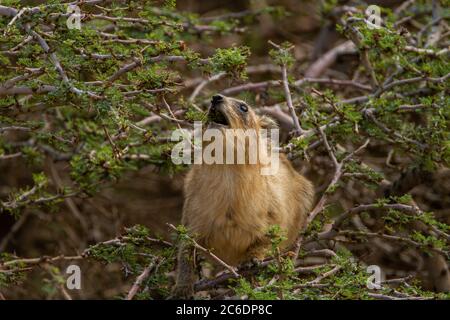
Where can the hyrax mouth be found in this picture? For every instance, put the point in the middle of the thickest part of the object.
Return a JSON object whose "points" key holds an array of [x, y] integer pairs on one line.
{"points": [[215, 115]]}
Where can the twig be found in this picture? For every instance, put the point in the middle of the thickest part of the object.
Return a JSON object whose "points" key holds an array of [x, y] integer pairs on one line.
{"points": [[173, 117], [289, 101], [251, 86], [403, 6], [337, 175], [369, 113], [209, 253], [34, 261], [416, 79], [59, 282], [329, 150], [309, 269], [54, 59], [25, 90], [356, 37], [381, 296], [128, 67], [398, 280], [435, 32], [16, 226], [204, 83], [260, 68], [368, 207], [137, 284], [317, 280], [427, 51], [17, 16], [10, 156], [254, 86], [409, 241], [30, 72], [287, 91], [325, 61], [68, 200], [333, 82], [14, 128]]}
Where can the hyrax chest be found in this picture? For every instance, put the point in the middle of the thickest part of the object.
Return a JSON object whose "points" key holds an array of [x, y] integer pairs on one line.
{"points": [[233, 219]]}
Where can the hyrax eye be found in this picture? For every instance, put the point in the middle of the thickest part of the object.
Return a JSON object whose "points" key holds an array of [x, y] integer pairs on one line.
{"points": [[243, 107]]}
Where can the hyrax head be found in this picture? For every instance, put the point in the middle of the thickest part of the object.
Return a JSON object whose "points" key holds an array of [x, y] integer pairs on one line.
{"points": [[230, 113]]}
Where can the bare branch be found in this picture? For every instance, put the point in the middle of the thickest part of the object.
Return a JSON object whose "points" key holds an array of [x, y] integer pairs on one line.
{"points": [[137, 284], [209, 253]]}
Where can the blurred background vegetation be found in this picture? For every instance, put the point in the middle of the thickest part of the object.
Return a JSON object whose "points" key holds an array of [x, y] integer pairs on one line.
{"points": [[85, 160]]}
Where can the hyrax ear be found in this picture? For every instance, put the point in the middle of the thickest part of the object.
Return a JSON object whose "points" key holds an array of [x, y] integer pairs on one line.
{"points": [[267, 122]]}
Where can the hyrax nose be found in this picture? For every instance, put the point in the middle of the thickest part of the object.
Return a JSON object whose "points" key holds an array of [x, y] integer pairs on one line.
{"points": [[216, 99]]}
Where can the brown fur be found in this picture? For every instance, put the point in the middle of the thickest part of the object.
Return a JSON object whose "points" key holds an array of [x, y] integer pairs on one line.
{"points": [[229, 208]]}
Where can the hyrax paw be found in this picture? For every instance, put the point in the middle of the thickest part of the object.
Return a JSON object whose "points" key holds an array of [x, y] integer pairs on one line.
{"points": [[256, 262], [182, 292], [252, 263]]}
